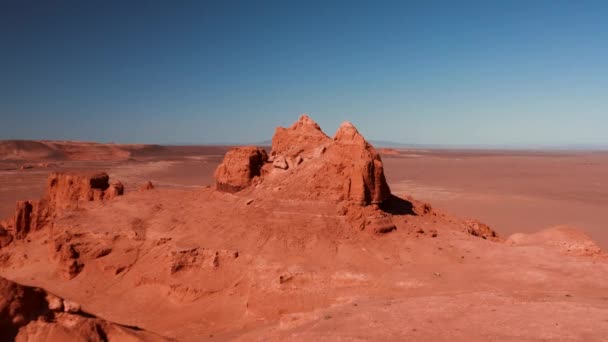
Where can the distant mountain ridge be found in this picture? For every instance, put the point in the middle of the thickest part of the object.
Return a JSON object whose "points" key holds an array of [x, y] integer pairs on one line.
{"points": [[47, 150]]}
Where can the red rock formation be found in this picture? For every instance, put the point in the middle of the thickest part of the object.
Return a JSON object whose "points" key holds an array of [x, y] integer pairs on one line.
{"points": [[63, 191], [239, 167], [5, 237], [18, 306], [67, 255], [365, 172], [346, 167], [481, 230], [147, 186], [114, 190], [302, 138], [307, 164], [69, 190], [23, 219], [32, 314]]}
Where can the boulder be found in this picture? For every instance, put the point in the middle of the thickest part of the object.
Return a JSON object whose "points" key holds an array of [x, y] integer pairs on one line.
{"points": [[239, 167], [280, 163], [71, 306], [114, 190], [5, 237], [55, 303], [479, 229], [147, 186]]}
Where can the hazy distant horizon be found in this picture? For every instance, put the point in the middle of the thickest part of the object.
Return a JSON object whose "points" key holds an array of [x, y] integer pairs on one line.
{"points": [[467, 73], [375, 143]]}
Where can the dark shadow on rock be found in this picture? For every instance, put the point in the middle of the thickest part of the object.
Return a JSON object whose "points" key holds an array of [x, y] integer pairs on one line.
{"points": [[397, 206]]}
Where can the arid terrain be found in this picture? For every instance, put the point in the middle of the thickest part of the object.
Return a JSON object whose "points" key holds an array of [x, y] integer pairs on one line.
{"points": [[316, 237], [513, 191]]}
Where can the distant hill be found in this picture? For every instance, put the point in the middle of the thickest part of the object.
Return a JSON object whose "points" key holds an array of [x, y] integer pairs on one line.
{"points": [[48, 150], [26, 150]]}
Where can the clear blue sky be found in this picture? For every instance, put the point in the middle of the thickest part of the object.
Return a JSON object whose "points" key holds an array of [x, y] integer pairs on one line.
{"points": [[431, 72]]}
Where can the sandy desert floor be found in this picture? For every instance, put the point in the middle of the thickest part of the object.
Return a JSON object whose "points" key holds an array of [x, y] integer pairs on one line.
{"points": [[512, 191]]}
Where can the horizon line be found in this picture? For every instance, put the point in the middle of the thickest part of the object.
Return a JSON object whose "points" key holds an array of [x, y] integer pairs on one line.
{"points": [[375, 143]]}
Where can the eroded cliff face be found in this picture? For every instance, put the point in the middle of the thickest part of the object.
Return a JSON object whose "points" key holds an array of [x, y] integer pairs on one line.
{"points": [[366, 182], [63, 191], [307, 164]]}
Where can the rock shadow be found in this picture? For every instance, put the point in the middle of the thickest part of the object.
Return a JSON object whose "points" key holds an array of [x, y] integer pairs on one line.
{"points": [[398, 206]]}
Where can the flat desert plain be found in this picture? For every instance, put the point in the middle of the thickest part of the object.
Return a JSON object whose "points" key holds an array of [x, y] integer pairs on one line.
{"points": [[512, 191]]}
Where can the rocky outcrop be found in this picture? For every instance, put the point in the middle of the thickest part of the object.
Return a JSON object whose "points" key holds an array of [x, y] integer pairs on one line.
{"points": [[29, 216], [63, 191], [32, 314], [147, 186], [66, 254], [71, 306], [5, 237], [306, 164], [23, 219], [239, 167], [362, 164], [481, 230], [18, 306], [301, 139], [280, 163], [346, 167], [67, 190], [114, 190]]}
